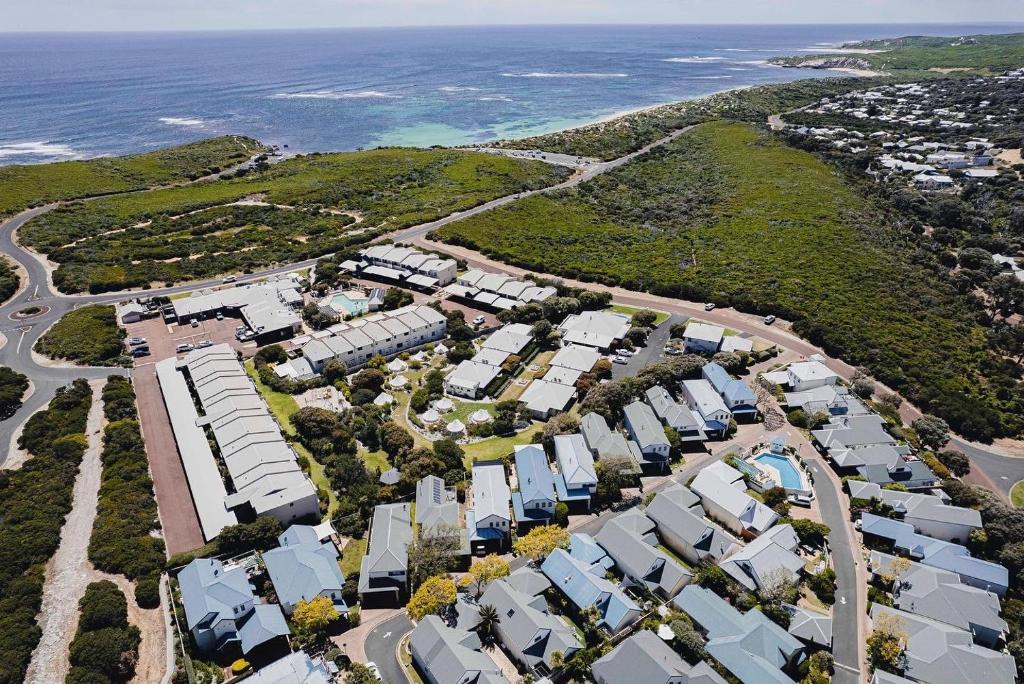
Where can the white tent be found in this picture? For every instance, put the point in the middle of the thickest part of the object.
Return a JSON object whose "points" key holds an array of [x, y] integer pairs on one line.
{"points": [[430, 416], [456, 427], [444, 405], [398, 382], [398, 366], [480, 416]]}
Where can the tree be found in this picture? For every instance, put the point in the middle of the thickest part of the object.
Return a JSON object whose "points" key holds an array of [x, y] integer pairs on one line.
{"points": [[732, 362], [369, 379], [862, 385], [932, 431], [483, 572], [539, 542], [1007, 294], [434, 596], [823, 584], [260, 534], [810, 532], [394, 439], [489, 619], [561, 516], [420, 400], [609, 483], [434, 380], [360, 674], [689, 642], [956, 461], [450, 453], [334, 371], [776, 499], [396, 298], [778, 587], [713, 578], [562, 424], [887, 643], [433, 553], [103, 605], [894, 570], [314, 616]]}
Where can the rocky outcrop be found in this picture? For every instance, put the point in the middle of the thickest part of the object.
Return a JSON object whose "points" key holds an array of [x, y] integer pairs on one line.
{"points": [[824, 62]]}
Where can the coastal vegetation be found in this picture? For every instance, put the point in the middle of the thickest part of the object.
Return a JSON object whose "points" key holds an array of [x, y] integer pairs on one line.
{"points": [[89, 336], [12, 388], [730, 215], [122, 539], [30, 185], [33, 503], [301, 208], [9, 280], [105, 647]]}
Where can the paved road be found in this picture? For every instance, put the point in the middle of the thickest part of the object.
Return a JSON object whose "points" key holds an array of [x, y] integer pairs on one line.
{"points": [[652, 352], [381, 645]]}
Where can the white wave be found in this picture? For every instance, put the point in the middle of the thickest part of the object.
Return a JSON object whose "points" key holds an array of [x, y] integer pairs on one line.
{"points": [[180, 121], [709, 78], [747, 50], [563, 74], [457, 89], [693, 60], [757, 62], [37, 149], [335, 95], [495, 98], [738, 69]]}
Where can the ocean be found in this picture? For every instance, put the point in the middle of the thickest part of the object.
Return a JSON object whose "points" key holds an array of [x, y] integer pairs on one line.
{"points": [[72, 96]]}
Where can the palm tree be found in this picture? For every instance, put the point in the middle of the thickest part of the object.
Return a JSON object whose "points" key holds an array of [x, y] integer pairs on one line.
{"points": [[488, 619]]}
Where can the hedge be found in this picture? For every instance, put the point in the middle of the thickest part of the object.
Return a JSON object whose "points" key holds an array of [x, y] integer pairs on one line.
{"points": [[106, 647]]}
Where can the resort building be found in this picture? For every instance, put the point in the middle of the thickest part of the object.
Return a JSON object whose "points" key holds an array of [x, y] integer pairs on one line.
{"points": [[646, 430], [807, 375], [599, 330], [722, 491], [771, 555], [604, 443], [268, 308], [739, 399], [928, 513], [383, 571], [630, 540], [576, 480], [544, 399], [404, 264], [497, 290], [576, 357], [470, 379], [447, 655], [675, 415], [701, 397], [702, 338]]}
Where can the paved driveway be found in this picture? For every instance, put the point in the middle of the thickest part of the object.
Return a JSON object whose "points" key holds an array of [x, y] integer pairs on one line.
{"points": [[381, 647]]}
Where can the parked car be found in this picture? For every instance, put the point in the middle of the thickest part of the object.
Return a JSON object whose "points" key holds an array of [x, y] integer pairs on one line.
{"points": [[479, 320], [374, 670], [204, 344], [194, 323], [185, 347], [620, 359], [140, 351], [672, 351], [136, 341], [769, 319], [220, 316], [709, 306]]}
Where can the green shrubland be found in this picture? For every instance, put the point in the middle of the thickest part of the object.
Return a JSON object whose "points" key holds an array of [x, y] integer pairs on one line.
{"points": [[89, 335]]}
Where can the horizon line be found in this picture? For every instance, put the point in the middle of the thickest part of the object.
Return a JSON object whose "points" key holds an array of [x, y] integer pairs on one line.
{"points": [[506, 25]]}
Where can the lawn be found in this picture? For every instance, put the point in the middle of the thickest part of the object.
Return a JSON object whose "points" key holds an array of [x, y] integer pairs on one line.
{"points": [[1017, 494], [730, 215], [30, 185], [632, 310], [352, 556], [497, 447], [198, 231], [375, 460]]}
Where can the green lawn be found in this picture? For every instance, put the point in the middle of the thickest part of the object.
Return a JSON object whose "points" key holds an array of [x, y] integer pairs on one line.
{"points": [[497, 447], [375, 460], [352, 556], [731, 215], [1017, 494], [631, 310]]}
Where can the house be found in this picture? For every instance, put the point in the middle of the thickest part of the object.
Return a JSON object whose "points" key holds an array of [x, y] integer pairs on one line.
{"points": [[600, 330], [630, 541], [928, 513], [489, 521], [562, 376], [938, 653], [304, 568], [644, 657], [702, 338], [853, 432], [606, 444], [814, 629], [826, 399], [645, 429], [432, 270], [544, 399], [752, 647], [883, 677], [576, 357], [723, 494], [701, 397], [902, 538], [535, 499], [576, 480], [807, 375], [674, 415], [739, 399], [530, 634], [221, 610], [132, 312], [584, 584], [498, 290], [929, 181], [295, 668], [940, 595], [681, 524], [737, 344], [383, 570], [470, 379], [770, 556], [437, 509], [513, 338], [446, 655]]}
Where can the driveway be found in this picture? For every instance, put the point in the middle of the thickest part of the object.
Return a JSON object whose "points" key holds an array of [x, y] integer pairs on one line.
{"points": [[652, 352], [381, 647]]}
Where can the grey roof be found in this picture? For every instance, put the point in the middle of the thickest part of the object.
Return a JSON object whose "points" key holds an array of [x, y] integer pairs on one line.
{"points": [[675, 415], [604, 443], [630, 540], [710, 485], [917, 505], [576, 357], [526, 628], [533, 474], [264, 623], [704, 332], [937, 553], [645, 658], [809, 627], [575, 462], [941, 654], [511, 338], [749, 645], [452, 656], [594, 328], [295, 668], [491, 495], [544, 397], [301, 572], [390, 535], [207, 588], [883, 677], [435, 503], [761, 559], [644, 424], [676, 510], [940, 595], [853, 431], [585, 585]]}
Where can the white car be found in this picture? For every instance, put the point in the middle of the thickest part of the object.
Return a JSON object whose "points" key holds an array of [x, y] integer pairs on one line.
{"points": [[479, 320], [620, 359], [769, 319], [374, 670], [710, 306], [230, 279]]}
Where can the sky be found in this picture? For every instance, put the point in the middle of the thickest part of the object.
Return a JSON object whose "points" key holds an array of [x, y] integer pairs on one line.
{"points": [[143, 15]]}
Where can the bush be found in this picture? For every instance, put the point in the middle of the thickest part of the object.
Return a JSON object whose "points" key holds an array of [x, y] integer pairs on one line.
{"points": [[147, 591], [89, 335], [102, 606], [12, 389]]}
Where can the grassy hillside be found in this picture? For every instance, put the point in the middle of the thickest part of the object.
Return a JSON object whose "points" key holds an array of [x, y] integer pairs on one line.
{"points": [[981, 54], [625, 134], [730, 215], [30, 185], [308, 206]]}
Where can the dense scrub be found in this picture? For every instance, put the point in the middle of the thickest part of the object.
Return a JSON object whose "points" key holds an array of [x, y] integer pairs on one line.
{"points": [[625, 134], [194, 231], [9, 281], [89, 335], [105, 647], [12, 389], [33, 503], [34, 184], [122, 540], [728, 215]]}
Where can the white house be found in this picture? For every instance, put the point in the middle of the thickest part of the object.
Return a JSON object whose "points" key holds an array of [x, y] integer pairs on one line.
{"points": [[470, 379], [722, 492], [807, 375], [700, 396], [489, 521], [702, 338]]}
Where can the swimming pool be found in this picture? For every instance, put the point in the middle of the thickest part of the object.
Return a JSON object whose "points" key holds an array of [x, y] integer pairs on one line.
{"points": [[786, 469], [353, 305]]}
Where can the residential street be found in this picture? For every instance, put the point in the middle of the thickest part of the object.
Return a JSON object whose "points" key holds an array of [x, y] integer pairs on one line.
{"points": [[381, 647]]}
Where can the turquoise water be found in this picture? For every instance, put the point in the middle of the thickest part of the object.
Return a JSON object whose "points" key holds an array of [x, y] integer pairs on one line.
{"points": [[353, 306], [790, 476]]}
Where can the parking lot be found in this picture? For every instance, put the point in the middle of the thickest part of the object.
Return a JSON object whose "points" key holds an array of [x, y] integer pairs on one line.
{"points": [[164, 337]]}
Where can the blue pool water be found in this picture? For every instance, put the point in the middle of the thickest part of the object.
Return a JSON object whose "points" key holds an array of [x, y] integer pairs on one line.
{"points": [[353, 306], [790, 476]]}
